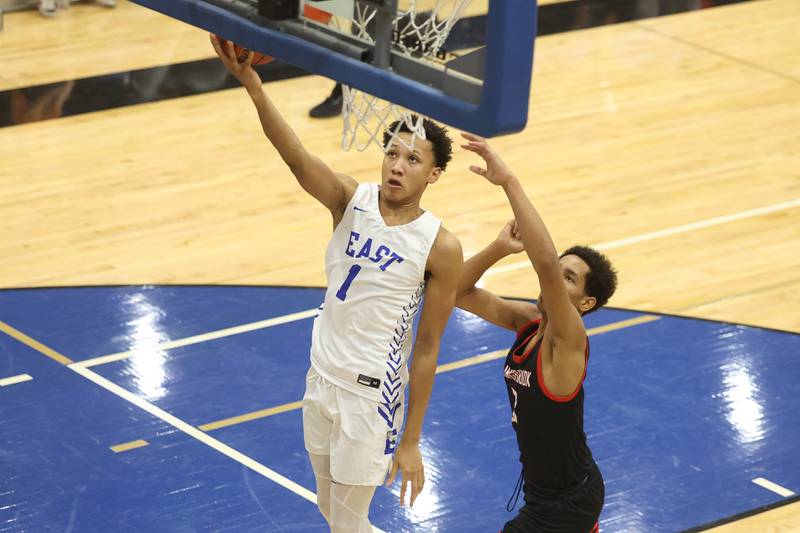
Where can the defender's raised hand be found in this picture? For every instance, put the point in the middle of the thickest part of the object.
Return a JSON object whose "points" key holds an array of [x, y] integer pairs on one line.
{"points": [[496, 171]]}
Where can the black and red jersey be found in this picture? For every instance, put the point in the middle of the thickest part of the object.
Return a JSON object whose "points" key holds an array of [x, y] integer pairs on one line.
{"points": [[549, 428]]}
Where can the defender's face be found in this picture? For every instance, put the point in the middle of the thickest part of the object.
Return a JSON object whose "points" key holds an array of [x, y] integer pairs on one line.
{"points": [[407, 171], [574, 271]]}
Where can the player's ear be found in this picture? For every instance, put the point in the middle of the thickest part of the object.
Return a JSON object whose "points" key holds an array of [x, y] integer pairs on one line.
{"points": [[433, 177], [587, 304]]}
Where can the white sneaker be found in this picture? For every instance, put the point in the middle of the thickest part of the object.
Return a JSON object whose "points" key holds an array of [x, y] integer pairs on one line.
{"points": [[107, 3]]}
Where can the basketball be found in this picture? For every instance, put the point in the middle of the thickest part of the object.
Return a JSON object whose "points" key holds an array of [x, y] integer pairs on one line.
{"points": [[258, 57], [262, 59], [241, 53]]}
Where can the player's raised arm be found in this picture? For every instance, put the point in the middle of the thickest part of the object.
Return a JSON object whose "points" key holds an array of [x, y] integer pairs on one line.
{"points": [[564, 322], [331, 189]]}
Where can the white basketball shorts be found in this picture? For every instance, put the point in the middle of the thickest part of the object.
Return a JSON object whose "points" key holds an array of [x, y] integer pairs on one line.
{"points": [[351, 429]]}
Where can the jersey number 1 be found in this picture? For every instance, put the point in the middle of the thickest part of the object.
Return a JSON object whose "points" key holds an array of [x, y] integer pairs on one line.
{"points": [[342, 292]]}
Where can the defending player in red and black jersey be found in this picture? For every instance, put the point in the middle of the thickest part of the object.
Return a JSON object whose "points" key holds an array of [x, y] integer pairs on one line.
{"points": [[546, 365]]}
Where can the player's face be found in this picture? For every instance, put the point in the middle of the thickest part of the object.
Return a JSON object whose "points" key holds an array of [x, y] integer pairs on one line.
{"points": [[407, 171], [574, 271]]}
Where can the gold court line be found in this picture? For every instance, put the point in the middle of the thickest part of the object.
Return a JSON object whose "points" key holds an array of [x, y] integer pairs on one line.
{"points": [[124, 447], [13, 380], [471, 361], [490, 356], [33, 343], [623, 324], [447, 367], [247, 417], [195, 339]]}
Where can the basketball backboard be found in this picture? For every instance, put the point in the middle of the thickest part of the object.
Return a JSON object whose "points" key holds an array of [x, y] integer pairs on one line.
{"points": [[485, 91]]}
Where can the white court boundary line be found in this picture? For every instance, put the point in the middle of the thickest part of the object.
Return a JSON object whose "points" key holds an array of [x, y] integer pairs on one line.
{"points": [[204, 337], [13, 380], [195, 433], [741, 215], [774, 487]]}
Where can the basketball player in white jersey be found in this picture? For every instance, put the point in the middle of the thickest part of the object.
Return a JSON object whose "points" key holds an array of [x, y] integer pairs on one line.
{"points": [[384, 252]]}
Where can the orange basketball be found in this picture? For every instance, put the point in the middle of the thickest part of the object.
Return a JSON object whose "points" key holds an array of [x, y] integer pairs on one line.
{"points": [[241, 53], [262, 59], [258, 57]]}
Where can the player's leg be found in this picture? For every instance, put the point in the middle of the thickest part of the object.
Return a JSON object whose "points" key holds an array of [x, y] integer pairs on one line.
{"points": [[322, 472], [577, 511], [331, 106], [526, 521], [362, 445], [318, 423]]}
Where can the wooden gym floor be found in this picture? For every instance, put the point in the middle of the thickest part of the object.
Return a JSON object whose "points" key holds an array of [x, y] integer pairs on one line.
{"points": [[671, 142]]}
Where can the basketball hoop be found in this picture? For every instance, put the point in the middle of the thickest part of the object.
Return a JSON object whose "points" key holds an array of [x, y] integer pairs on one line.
{"points": [[416, 33]]}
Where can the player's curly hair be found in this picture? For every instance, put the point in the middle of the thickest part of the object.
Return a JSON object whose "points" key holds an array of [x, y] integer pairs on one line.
{"points": [[435, 133], [601, 282]]}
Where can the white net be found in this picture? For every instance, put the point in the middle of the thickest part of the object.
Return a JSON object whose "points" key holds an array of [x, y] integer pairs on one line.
{"points": [[366, 117], [420, 29]]}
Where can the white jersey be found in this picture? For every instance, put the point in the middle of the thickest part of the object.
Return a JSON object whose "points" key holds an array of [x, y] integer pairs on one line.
{"points": [[376, 277]]}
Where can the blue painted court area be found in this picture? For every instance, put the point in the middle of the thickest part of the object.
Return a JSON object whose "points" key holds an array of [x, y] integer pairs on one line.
{"points": [[681, 415]]}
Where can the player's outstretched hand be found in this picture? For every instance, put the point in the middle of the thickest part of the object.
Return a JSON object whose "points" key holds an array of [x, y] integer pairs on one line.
{"points": [[496, 171], [509, 239], [242, 71], [408, 460]]}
